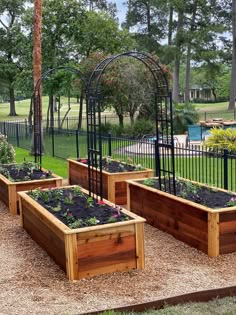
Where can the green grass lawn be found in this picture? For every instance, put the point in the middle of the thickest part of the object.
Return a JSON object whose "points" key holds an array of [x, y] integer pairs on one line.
{"points": [[225, 306]]}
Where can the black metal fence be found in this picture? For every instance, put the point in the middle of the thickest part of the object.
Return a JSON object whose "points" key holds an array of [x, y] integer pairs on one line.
{"points": [[69, 123], [193, 162], [229, 114]]}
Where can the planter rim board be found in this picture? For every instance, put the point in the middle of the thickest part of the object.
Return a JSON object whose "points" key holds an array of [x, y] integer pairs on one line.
{"points": [[72, 239], [112, 179], [220, 222], [11, 188]]}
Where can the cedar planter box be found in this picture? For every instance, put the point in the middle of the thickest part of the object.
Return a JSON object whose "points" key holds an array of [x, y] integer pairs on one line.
{"points": [[9, 189], [114, 184], [212, 231], [88, 251]]}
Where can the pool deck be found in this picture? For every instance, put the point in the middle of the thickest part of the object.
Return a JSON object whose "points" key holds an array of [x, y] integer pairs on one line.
{"points": [[147, 147]]}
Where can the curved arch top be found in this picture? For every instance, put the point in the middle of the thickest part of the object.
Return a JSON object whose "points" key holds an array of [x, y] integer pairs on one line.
{"points": [[156, 70], [50, 71]]}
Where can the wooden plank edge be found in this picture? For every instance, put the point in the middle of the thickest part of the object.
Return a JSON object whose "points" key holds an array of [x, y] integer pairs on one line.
{"points": [[197, 296]]}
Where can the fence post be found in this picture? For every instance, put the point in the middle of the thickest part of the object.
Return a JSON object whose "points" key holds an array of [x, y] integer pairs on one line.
{"points": [[26, 129], [109, 144], [17, 135], [4, 128], [225, 157], [157, 159], [105, 120], [205, 116], [67, 123], [53, 147], [77, 143]]}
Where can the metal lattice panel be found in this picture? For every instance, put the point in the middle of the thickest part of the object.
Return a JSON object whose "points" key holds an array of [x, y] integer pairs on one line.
{"points": [[164, 123]]}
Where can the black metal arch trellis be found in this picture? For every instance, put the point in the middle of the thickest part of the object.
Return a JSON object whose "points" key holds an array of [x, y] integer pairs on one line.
{"points": [[37, 122], [164, 144]]}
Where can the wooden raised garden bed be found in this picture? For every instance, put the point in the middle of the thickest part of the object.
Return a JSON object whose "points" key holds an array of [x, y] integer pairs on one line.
{"points": [[212, 231], [87, 251], [9, 189], [114, 184]]}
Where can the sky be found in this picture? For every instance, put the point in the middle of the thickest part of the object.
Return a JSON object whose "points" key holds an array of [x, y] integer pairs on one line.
{"points": [[121, 8]]}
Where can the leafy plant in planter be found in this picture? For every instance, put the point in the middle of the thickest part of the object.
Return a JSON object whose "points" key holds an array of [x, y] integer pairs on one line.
{"points": [[114, 174], [7, 152], [76, 209], [84, 236], [21, 177], [192, 191], [24, 172], [202, 216]]}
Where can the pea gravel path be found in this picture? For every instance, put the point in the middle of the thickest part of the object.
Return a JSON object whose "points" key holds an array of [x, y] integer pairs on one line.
{"points": [[31, 283]]}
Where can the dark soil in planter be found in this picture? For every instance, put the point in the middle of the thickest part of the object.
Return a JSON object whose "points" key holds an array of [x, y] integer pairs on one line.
{"points": [[113, 166], [206, 196], [76, 209], [23, 172]]}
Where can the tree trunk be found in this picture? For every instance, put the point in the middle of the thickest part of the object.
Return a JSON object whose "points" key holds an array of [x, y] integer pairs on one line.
{"points": [[170, 26], [233, 71], [81, 100], [177, 58], [121, 119], [38, 146], [12, 102], [188, 57], [187, 75]]}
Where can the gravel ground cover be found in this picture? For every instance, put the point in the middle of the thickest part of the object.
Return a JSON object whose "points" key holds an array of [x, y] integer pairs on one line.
{"points": [[31, 283]]}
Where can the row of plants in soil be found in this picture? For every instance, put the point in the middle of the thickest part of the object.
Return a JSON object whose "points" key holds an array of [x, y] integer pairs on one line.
{"points": [[198, 193], [76, 209], [116, 166]]}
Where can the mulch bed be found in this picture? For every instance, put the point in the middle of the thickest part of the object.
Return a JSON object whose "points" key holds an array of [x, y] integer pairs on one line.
{"points": [[31, 283]]}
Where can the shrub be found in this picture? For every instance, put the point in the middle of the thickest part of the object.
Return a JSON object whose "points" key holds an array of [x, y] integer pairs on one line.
{"points": [[184, 115], [7, 152], [139, 128], [220, 139]]}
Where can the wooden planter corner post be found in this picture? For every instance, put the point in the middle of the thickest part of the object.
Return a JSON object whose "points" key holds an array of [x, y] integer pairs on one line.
{"points": [[9, 189], [114, 184], [212, 231], [89, 251]]}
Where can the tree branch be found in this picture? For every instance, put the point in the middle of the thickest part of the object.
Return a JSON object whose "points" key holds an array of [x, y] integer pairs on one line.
{"points": [[4, 25]]}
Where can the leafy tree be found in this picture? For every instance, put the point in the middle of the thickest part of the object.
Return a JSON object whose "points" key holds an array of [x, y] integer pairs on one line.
{"points": [[12, 45]]}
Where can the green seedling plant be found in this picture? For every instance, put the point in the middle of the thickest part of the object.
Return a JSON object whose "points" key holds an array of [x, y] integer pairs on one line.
{"points": [[69, 200], [231, 202], [77, 191], [57, 208], [68, 216], [92, 221], [149, 182], [90, 202], [45, 195], [76, 224]]}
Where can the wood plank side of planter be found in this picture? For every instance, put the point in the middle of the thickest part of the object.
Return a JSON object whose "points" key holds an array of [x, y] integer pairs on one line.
{"points": [[40, 231], [78, 175], [88, 251], [179, 219], [4, 191], [11, 199], [227, 232], [114, 184]]}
